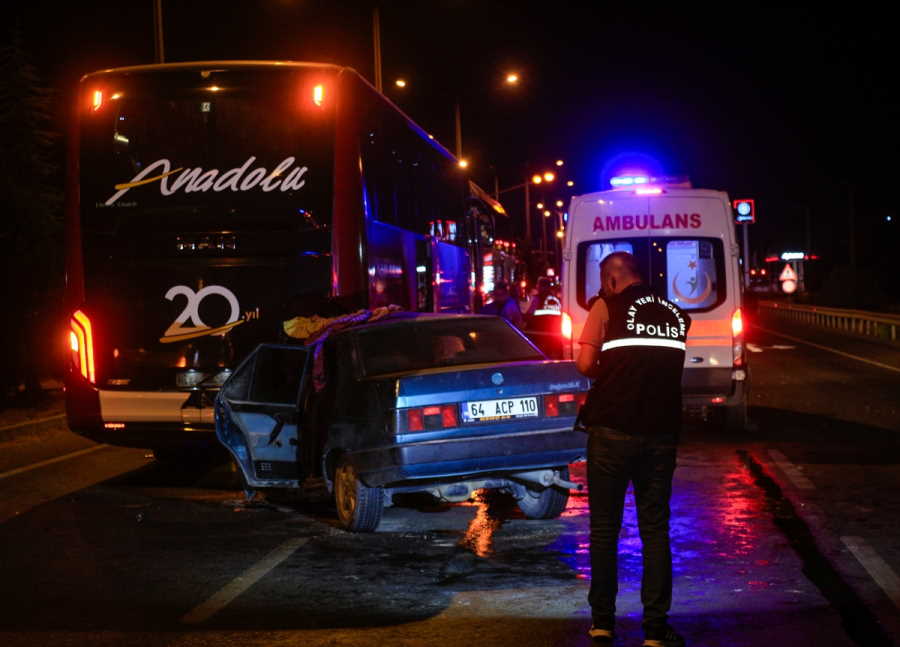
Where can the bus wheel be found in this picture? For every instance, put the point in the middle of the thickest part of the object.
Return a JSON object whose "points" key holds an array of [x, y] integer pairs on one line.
{"points": [[359, 507], [547, 503]]}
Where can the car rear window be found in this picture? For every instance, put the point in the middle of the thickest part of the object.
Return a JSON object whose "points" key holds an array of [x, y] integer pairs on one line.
{"points": [[419, 345], [688, 271]]}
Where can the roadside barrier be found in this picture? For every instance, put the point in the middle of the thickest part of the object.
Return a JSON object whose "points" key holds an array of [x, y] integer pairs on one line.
{"points": [[860, 323]]}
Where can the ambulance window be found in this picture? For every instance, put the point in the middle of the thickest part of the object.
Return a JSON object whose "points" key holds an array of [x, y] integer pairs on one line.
{"points": [[594, 256], [694, 272]]}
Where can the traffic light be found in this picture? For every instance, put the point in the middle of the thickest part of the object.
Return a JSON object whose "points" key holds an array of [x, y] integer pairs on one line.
{"points": [[744, 211]]}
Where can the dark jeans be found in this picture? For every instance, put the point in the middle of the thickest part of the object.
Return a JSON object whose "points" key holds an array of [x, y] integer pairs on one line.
{"points": [[648, 461]]}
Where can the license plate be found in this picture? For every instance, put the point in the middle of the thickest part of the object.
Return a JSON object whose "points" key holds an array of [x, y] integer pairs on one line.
{"points": [[506, 408]]}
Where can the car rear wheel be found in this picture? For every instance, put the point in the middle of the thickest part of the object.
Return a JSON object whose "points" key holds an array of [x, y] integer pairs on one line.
{"points": [[547, 503], [359, 507]]}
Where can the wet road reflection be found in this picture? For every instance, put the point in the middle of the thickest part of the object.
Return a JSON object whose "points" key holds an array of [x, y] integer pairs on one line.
{"points": [[724, 524]]}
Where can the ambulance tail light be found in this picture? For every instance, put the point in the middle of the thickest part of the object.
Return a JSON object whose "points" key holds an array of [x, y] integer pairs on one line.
{"points": [[737, 323], [737, 339], [81, 345], [566, 326], [563, 404]]}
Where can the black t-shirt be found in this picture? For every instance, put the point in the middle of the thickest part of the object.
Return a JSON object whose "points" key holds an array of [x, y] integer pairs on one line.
{"points": [[641, 361]]}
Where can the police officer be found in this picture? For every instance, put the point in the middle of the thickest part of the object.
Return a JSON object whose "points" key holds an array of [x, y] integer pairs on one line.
{"points": [[633, 344]]}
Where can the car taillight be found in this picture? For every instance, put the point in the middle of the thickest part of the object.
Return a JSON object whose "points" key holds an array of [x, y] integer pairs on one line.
{"points": [[563, 404], [566, 326], [81, 343], [428, 418]]}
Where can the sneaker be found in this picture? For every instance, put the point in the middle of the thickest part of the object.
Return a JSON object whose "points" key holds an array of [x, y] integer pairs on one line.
{"points": [[601, 636], [664, 637]]}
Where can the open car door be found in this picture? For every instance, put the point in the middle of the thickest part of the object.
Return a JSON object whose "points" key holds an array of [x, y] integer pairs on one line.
{"points": [[258, 414]]}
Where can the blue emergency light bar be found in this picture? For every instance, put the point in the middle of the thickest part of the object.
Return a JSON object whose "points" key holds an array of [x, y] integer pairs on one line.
{"points": [[620, 181], [629, 180]]}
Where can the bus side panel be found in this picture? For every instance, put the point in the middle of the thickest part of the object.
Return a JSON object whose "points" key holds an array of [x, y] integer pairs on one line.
{"points": [[451, 274], [391, 265], [347, 243]]}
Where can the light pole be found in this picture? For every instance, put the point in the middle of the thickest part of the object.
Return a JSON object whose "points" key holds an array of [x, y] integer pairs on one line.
{"points": [[158, 32]]}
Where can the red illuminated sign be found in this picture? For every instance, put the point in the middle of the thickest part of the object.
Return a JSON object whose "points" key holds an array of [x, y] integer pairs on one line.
{"points": [[648, 221]]}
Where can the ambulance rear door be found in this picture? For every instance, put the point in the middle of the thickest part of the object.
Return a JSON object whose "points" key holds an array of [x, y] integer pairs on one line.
{"points": [[695, 266]]}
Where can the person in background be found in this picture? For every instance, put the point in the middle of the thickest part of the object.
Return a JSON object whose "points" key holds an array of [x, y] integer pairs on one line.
{"points": [[503, 305], [537, 299], [633, 345]]}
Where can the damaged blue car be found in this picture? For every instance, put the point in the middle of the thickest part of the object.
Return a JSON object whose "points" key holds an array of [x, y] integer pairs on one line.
{"points": [[444, 404]]}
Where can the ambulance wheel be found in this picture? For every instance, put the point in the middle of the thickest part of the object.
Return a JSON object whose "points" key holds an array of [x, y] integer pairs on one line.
{"points": [[736, 418], [359, 507], [547, 503]]}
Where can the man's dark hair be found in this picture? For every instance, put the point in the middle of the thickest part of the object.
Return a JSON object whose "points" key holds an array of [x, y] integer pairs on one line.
{"points": [[625, 261]]}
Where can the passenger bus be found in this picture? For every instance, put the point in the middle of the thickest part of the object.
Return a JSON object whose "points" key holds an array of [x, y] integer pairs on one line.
{"points": [[210, 202]]}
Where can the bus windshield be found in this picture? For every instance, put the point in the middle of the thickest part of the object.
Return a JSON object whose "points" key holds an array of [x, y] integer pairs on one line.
{"points": [[209, 155]]}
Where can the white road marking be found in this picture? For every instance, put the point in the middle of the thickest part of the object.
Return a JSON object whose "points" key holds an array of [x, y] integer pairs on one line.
{"points": [[50, 461], [242, 582], [878, 569], [791, 471], [753, 348], [832, 350], [31, 422]]}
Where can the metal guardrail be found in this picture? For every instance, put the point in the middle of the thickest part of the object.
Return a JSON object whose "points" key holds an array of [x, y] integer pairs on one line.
{"points": [[861, 323]]}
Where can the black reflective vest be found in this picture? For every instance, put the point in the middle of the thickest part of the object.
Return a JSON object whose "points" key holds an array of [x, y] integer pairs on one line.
{"points": [[641, 360]]}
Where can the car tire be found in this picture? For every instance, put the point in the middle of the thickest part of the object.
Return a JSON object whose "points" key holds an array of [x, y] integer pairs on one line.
{"points": [[547, 503], [359, 507]]}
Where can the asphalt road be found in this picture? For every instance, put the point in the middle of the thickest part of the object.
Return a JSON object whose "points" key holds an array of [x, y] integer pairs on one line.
{"points": [[784, 535]]}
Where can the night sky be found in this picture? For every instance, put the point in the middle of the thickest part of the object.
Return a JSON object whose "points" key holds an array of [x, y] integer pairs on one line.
{"points": [[797, 108]]}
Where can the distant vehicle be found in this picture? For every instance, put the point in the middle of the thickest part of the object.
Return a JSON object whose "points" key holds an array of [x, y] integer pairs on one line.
{"points": [[685, 242], [209, 202], [413, 403]]}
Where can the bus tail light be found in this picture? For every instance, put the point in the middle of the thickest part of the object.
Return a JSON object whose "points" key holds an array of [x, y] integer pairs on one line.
{"points": [[318, 94], [96, 100], [428, 418], [563, 404], [566, 326], [81, 344]]}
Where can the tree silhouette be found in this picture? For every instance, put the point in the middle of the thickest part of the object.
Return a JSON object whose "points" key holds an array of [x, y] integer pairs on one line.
{"points": [[30, 215]]}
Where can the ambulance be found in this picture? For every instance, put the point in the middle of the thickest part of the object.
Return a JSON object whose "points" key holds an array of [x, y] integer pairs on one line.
{"points": [[684, 240]]}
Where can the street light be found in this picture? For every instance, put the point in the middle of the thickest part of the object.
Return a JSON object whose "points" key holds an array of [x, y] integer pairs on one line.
{"points": [[559, 203], [559, 162], [512, 78], [400, 83], [463, 163], [570, 183], [537, 178]]}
